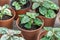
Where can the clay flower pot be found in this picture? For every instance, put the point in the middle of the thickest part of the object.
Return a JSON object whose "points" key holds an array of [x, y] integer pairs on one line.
{"points": [[9, 22], [24, 10], [2, 2], [41, 34], [49, 21], [29, 34]]}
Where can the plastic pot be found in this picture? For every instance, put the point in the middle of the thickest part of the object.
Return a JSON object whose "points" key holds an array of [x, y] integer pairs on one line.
{"points": [[9, 22], [29, 34]]}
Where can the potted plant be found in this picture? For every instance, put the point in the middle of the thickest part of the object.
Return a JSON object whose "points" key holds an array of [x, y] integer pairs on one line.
{"points": [[21, 6], [49, 34], [47, 10], [8, 34], [7, 15], [29, 24], [3, 2]]}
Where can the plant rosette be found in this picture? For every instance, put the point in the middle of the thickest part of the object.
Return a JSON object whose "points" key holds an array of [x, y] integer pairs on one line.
{"points": [[7, 15], [21, 6], [29, 23], [8, 34], [47, 10], [49, 34]]}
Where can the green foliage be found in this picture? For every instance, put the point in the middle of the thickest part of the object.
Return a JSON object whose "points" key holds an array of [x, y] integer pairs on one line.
{"points": [[8, 34], [4, 10], [29, 19], [19, 4], [52, 34], [46, 7]]}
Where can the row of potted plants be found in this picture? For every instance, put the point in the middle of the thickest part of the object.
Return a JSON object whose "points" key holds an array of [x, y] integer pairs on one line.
{"points": [[31, 15]]}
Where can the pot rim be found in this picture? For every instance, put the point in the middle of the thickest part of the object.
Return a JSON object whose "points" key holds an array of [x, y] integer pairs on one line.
{"points": [[12, 16], [29, 30], [41, 34]]}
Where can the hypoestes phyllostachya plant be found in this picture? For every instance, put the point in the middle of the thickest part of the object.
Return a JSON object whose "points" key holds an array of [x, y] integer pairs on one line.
{"points": [[29, 19], [46, 7], [8, 34]]}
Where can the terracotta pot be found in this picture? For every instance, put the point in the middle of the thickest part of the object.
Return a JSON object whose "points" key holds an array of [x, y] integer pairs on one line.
{"points": [[2, 2], [8, 23], [41, 34], [29, 34], [48, 21], [23, 11]]}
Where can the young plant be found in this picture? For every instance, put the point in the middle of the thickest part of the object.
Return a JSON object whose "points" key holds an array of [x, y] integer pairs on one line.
{"points": [[18, 4], [4, 10], [52, 34], [46, 7], [30, 19], [8, 34]]}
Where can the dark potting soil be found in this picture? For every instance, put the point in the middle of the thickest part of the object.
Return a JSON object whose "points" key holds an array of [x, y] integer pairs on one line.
{"points": [[5, 17], [22, 7], [34, 27]]}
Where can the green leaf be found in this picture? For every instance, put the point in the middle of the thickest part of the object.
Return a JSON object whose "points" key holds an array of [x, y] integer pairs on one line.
{"points": [[57, 35], [48, 28], [16, 5], [16, 38], [43, 10], [4, 37], [7, 12], [35, 5], [56, 29], [3, 30], [5, 6], [23, 2], [49, 34], [25, 19], [32, 15], [38, 22], [14, 31], [51, 5], [50, 14], [28, 25]]}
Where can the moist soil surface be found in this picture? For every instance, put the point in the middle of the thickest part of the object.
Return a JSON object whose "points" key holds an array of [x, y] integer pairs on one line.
{"points": [[34, 27], [24, 6], [6, 17]]}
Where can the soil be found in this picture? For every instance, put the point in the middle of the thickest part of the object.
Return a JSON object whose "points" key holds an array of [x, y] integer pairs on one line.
{"points": [[34, 27], [24, 6], [5, 17]]}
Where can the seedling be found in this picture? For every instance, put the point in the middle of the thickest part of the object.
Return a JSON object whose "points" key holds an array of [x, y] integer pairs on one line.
{"points": [[46, 7], [4, 10], [52, 34], [8, 34], [18, 4], [29, 19]]}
